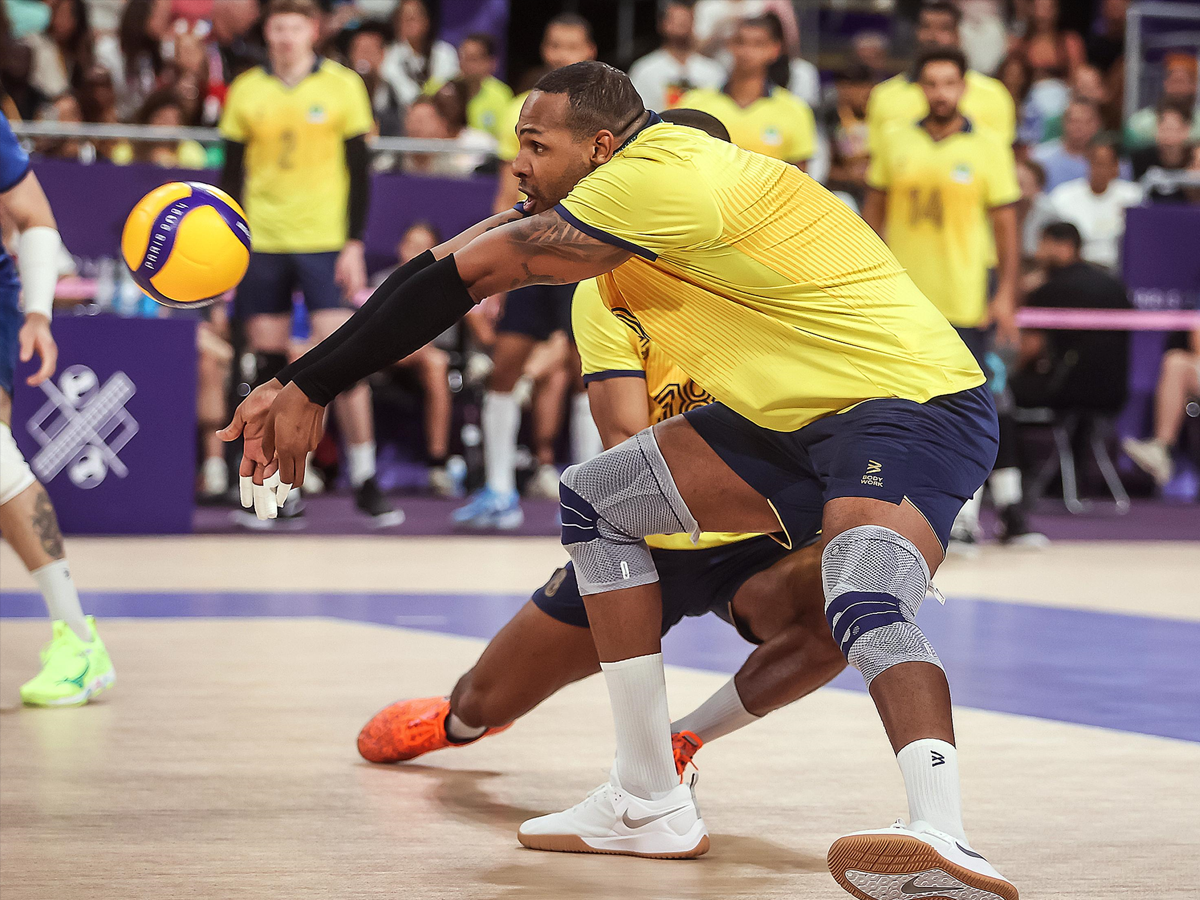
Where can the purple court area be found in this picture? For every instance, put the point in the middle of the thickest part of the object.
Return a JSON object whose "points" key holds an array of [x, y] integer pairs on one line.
{"points": [[1130, 673]]}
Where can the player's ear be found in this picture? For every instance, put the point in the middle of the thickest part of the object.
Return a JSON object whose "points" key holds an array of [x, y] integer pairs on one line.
{"points": [[604, 145]]}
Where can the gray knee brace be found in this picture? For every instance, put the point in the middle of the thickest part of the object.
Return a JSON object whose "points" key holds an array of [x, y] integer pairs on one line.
{"points": [[610, 504], [874, 583]]}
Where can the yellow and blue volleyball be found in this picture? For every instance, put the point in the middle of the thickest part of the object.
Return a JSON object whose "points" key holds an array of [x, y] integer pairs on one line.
{"points": [[186, 244]]}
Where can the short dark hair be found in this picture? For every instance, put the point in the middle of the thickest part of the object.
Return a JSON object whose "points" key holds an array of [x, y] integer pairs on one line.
{"points": [[482, 38], [939, 54], [423, 225], [1063, 232], [1166, 105], [1106, 139], [598, 97], [571, 20], [300, 7], [373, 26], [943, 7], [694, 118]]}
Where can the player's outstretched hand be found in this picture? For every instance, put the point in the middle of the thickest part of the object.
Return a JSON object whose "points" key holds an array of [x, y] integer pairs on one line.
{"points": [[293, 430], [35, 337], [257, 468]]}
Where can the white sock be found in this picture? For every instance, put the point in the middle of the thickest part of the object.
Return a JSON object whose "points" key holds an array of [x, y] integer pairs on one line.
{"points": [[637, 689], [62, 600], [1006, 487], [501, 420], [968, 516], [458, 730], [720, 714], [930, 770], [585, 436], [215, 475], [361, 459]]}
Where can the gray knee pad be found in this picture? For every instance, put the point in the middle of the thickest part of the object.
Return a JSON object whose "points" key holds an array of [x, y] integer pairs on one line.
{"points": [[610, 504], [874, 581]]}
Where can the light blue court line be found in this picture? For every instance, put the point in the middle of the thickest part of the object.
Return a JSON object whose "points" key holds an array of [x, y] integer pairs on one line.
{"points": [[1130, 673]]}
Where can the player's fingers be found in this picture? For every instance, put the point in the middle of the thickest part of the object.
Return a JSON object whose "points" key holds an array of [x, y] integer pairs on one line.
{"points": [[45, 370], [26, 342], [287, 470], [246, 488], [264, 502], [281, 493], [234, 428], [268, 438]]}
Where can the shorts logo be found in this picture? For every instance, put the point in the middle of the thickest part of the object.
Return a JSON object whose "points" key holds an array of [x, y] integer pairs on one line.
{"points": [[555, 582], [873, 478]]}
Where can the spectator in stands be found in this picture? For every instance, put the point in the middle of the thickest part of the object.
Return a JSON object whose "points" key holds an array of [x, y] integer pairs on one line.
{"points": [[1065, 158], [1106, 44], [1015, 75], [190, 74], [870, 49], [425, 120], [664, 76], [214, 364], [846, 126], [718, 20], [142, 30], [64, 109], [983, 34], [1087, 84], [161, 108], [1034, 211], [365, 55], [477, 146], [1157, 168], [236, 40], [16, 64], [98, 101], [1179, 88], [487, 95], [417, 57], [1072, 369], [795, 73], [1050, 51], [1178, 381], [1096, 204], [760, 116], [63, 52]]}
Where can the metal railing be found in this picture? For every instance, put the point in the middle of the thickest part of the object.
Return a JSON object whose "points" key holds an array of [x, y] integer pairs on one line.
{"points": [[1137, 42], [155, 133]]}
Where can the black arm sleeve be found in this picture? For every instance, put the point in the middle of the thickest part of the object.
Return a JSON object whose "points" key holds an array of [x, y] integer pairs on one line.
{"points": [[233, 173], [360, 319], [358, 164], [404, 321]]}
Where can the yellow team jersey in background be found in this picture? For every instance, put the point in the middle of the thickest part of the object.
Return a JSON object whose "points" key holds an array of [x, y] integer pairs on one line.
{"points": [[938, 196], [766, 289], [779, 124], [608, 348], [297, 185], [506, 129], [986, 102]]}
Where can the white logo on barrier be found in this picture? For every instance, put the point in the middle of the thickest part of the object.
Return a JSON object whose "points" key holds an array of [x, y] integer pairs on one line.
{"points": [[82, 427]]}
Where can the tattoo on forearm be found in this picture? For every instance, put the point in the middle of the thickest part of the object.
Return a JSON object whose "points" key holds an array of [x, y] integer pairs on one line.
{"points": [[45, 525], [548, 239]]}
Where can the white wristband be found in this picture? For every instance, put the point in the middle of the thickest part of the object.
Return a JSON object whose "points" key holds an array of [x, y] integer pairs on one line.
{"points": [[37, 262]]}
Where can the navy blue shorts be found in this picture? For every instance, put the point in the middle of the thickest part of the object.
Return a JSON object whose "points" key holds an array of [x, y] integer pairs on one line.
{"points": [[272, 278], [11, 320], [537, 311], [693, 582], [934, 454]]}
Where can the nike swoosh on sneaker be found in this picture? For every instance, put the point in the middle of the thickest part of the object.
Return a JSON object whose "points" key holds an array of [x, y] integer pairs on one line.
{"points": [[638, 823], [910, 888], [968, 852]]}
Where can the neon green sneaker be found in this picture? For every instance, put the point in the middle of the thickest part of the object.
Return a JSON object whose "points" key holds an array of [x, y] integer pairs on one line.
{"points": [[72, 671]]}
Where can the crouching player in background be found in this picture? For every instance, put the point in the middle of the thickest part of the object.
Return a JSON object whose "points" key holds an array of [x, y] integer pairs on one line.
{"points": [[75, 665]]}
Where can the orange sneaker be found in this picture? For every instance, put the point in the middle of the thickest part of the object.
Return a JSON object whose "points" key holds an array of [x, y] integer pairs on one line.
{"points": [[408, 729], [685, 744]]}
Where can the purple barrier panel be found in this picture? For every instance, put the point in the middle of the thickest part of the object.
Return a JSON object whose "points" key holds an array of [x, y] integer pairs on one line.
{"points": [[112, 435], [91, 203], [1162, 267]]}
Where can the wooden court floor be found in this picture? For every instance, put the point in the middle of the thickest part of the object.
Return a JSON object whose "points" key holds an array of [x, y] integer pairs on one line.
{"points": [[223, 764]]}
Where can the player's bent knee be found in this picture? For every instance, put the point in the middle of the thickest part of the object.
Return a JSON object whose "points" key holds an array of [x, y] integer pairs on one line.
{"points": [[875, 580], [610, 504], [15, 474]]}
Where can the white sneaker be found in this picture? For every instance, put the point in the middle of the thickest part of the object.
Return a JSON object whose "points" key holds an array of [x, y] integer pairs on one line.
{"points": [[1151, 457], [909, 861], [544, 483], [613, 821]]}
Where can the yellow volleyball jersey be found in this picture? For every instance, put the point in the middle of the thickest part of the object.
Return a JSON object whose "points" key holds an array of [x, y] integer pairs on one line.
{"points": [[779, 124], [608, 348], [297, 185], [939, 193], [764, 287], [506, 129], [986, 102]]}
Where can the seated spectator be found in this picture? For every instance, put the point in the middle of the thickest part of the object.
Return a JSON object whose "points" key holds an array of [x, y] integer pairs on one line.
{"points": [[478, 146], [98, 102], [1096, 204], [870, 49], [16, 65], [846, 125], [717, 21], [1034, 210], [190, 74], [365, 55], [1065, 158], [1157, 168], [417, 57], [63, 52], [1072, 369], [143, 27], [487, 96], [1179, 89], [1051, 51], [164, 109], [1106, 44], [1014, 73], [664, 76], [982, 34], [760, 116], [64, 109], [1178, 381], [425, 120], [794, 72], [1088, 84], [236, 40]]}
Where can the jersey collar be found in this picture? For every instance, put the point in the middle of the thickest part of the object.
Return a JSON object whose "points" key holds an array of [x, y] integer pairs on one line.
{"points": [[768, 87], [316, 66], [654, 119], [967, 127]]}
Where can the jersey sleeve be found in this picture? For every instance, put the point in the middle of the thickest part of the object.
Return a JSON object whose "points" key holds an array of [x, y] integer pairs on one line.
{"points": [[232, 125], [648, 206], [607, 347], [1002, 187], [803, 138], [359, 115], [14, 161]]}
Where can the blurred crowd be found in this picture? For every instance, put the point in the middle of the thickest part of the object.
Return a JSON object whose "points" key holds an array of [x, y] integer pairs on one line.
{"points": [[1080, 161]]}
